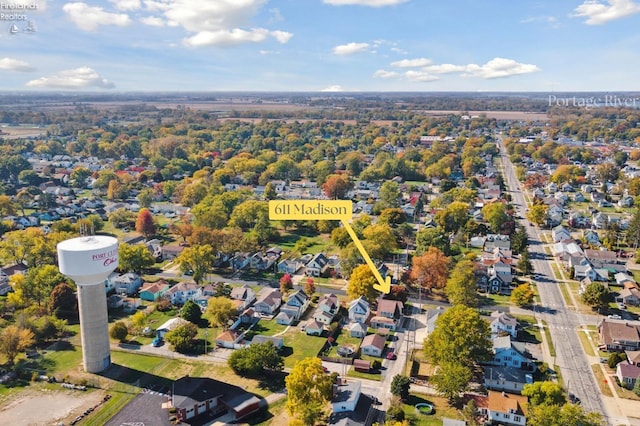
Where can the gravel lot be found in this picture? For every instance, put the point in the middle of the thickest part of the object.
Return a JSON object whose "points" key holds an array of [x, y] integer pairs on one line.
{"points": [[45, 408]]}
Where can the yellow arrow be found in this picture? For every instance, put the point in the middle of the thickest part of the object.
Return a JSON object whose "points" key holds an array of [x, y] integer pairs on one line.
{"points": [[383, 285]]}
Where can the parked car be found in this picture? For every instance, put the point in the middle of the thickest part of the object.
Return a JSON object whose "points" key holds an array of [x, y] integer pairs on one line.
{"points": [[392, 356], [158, 341]]}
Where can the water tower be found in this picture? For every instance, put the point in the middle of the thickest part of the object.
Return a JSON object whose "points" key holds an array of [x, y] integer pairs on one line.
{"points": [[89, 260]]}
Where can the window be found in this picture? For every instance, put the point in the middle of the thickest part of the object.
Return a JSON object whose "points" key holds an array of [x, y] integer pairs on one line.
{"points": [[517, 419]]}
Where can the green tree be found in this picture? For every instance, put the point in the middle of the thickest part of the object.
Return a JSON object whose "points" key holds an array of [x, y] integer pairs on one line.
{"points": [[461, 287], [145, 197], [392, 216], [596, 295], [220, 310], [134, 258], [537, 214], [519, 241], [432, 237], [40, 281], [145, 224], [522, 295], [361, 283], [563, 415], [79, 176], [182, 338], [400, 386], [256, 359], [451, 379], [547, 393], [13, 340], [495, 214], [453, 217], [119, 331], [309, 390], [524, 264], [196, 259], [191, 312], [270, 192], [389, 195], [460, 335]]}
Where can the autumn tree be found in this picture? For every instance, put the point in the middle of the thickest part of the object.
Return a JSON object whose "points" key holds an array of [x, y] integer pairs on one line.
{"points": [[13, 340], [145, 224], [220, 310], [196, 259], [361, 283], [309, 286], [309, 390], [392, 216], [461, 336], [453, 217], [522, 295], [286, 283], [134, 258], [567, 414], [62, 301], [430, 270], [461, 287], [537, 214], [119, 331], [336, 186]]}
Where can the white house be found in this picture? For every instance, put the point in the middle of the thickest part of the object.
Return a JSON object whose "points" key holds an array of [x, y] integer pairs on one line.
{"points": [[503, 323], [183, 291], [269, 300], [317, 266], [359, 310], [127, 283], [169, 325], [346, 394], [510, 354], [373, 345]]}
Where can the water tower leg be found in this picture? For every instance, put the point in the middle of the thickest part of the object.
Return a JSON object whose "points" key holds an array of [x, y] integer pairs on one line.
{"points": [[94, 327]]}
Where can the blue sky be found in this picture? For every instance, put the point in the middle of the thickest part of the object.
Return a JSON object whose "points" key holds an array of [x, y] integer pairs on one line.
{"points": [[320, 45]]}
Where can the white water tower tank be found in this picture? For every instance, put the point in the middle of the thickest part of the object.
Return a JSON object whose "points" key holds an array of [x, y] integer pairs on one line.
{"points": [[88, 261]]}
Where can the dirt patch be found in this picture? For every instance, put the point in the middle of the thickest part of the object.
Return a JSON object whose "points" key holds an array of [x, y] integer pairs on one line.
{"points": [[34, 407]]}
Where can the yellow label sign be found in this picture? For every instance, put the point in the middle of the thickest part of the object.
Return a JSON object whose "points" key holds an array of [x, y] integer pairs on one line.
{"points": [[327, 210], [310, 209]]}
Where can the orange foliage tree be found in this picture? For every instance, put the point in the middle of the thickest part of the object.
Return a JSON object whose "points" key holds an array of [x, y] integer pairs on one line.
{"points": [[431, 269]]}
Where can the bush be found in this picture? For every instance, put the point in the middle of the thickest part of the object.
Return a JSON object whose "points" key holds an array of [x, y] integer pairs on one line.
{"points": [[395, 411]]}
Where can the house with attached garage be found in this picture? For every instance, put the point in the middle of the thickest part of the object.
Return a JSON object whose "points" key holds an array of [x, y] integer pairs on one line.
{"points": [[269, 300], [388, 315], [373, 345], [619, 335]]}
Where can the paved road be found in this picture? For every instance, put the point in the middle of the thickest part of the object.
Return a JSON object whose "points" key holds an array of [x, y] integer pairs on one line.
{"points": [[570, 358]]}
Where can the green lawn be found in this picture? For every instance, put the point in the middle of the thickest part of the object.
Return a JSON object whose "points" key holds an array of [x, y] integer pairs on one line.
{"points": [[529, 330], [267, 328], [547, 334], [299, 346], [442, 409], [586, 343], [369, 376]]}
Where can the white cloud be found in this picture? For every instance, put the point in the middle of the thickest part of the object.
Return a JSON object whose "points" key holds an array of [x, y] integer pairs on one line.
{"points": [[127, 4], [371, 3], [332, 88], [350, 48], [153, 21], [223, 38], [500, 67], [386, 74], [420, 76], [89, 18], [599, 13], [445, 68], [398, 50], [552, 21], [11, 64], [412, 63], [78, 78]]}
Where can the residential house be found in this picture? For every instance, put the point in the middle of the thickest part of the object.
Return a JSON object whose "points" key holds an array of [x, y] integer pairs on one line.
{"points": [[560, 233], [504, 408], [503, 323], [244, 295], [629, 296], [508, 353], [591, 237], [432, 316], [277, 342], [357, 329], [192, 396], [606, 259], [240, 261], [624, 279], [552, 188], [497, 240], [229, 339], [268, 302], [346, 394], [626, 201], [183, 291], [599, 220], [507, 379], [578, 197], [314, 328], [169, 325], [152, 292], [296, 304], [318, 266], [359, 310], [290, 266], [171, 251], [128, 283], [619, 335], [5, 288], [496, 283], [326, 309], [627, 373], [285, 318], [373, 344], [390, 309], [262, 262]]}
